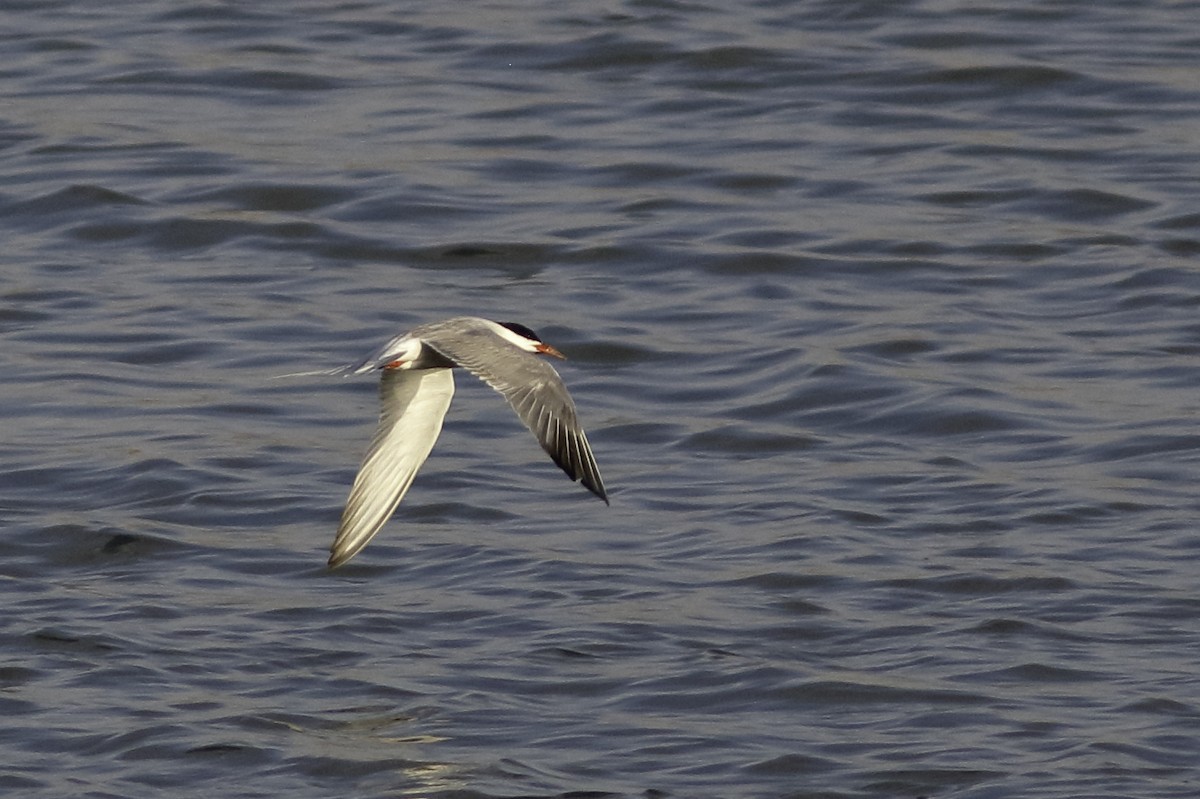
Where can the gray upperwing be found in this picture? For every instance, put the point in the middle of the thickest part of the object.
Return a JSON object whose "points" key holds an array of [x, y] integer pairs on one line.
{"points": [[533, 389]]}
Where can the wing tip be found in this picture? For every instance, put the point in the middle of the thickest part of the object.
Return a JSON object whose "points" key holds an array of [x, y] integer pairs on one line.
{"points": [[342, 551], [593, 483]]}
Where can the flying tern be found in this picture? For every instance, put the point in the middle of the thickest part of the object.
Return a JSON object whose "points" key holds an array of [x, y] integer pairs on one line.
{"points": [[415, 391]]}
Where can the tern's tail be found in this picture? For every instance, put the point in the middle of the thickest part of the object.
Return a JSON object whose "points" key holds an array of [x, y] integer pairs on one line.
{"points": [[340, 371]]}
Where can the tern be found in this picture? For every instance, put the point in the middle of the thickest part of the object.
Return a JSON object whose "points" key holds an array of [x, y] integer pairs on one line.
{"points": [[414, 393]]}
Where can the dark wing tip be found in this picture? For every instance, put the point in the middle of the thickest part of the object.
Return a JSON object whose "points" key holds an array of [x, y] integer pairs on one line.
{"points": [[597, 489], [587, 477], [574, 456]]}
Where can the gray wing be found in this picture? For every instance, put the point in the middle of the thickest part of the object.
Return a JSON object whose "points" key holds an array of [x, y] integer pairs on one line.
{"points": [[532, 388], [413, 404]]}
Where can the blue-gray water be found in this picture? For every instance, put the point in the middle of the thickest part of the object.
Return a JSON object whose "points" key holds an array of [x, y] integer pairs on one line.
{"points": [[883, 319]]}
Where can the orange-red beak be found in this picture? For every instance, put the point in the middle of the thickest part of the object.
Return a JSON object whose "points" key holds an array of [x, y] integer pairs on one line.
{"points": [[546, 349]]}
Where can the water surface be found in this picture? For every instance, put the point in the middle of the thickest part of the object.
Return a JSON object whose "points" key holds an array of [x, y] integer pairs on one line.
{"points": [[882, 319]]}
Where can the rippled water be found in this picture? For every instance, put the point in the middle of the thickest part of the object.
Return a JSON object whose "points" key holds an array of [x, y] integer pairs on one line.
{"points": [[882, 320]]}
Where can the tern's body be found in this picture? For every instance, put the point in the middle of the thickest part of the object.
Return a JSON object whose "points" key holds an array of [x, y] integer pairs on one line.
{"points": [[415, 394]]}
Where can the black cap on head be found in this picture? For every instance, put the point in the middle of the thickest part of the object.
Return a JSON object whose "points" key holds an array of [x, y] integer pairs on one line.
{"points": [[521, 330]]}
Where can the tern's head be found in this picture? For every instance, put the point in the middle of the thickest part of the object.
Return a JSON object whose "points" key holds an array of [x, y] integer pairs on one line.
{"points": [[527, 340]]}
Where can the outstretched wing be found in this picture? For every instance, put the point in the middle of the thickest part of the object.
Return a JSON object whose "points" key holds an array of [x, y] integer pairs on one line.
{"points": [[532, 388], [413, 403]]}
